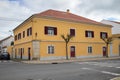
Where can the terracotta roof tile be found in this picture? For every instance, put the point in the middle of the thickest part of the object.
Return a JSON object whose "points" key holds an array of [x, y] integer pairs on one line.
{"points": [[66, 15]]}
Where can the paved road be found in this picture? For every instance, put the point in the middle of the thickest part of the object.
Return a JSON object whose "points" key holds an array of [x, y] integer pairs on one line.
{"points": [[93, 70]]}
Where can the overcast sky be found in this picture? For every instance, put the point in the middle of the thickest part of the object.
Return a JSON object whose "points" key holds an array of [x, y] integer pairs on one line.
{"points": [[14, 12]]}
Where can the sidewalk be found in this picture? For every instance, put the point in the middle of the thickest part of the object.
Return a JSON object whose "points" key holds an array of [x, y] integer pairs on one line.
{"points": [[66, 61]]}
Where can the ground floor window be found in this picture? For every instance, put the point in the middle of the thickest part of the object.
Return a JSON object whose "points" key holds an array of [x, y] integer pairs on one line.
{"points": [[89, 49], [50, 49]]}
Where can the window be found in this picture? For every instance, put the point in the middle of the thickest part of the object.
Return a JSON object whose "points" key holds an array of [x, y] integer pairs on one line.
{"points": [[15, 37], [50, 49], [72, 32], [19, 36], [23, 34], [89, 34], [89, 49], [103, 35], [50, 30], [29, 31]]}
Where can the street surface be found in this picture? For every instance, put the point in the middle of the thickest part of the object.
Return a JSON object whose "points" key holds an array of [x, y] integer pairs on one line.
{"points": [[90, 70]]}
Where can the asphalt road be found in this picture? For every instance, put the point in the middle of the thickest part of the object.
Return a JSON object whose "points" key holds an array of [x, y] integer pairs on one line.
{"points": [[92, 70]]}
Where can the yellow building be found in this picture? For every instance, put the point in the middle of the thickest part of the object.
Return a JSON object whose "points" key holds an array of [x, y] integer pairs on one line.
{"points": [[39, 36], [115, 46]]}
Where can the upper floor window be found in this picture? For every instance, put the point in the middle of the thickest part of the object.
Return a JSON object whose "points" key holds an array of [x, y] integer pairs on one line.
{"points": [[50, 49], [72, 32], [103, 35], [50, 30], [23, 34], [89, 34], [29, 31], [19, 36], [15, 37]]}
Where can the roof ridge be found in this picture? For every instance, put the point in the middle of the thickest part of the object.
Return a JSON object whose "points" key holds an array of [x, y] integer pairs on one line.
{"points": [[66, 15]]}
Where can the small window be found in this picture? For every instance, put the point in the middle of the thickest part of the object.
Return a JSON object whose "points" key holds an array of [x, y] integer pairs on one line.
{"points": [[19, 36], [72, 32], [50, 30], [89, 34], [50, 49], [23, 34], [29, 31], [103, 35], [90, 49], [15, 37]]}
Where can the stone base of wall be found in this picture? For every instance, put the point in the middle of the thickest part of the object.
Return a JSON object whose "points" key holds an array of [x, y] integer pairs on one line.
{"points": [[52, 58], [114, 55], [96, 56]]}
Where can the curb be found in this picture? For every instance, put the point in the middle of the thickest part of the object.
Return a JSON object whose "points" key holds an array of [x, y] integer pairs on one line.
{"points": [[67, 61]]}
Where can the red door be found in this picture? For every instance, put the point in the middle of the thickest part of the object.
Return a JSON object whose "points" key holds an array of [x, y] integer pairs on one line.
{"points": [[72, 51], [104, 51]]}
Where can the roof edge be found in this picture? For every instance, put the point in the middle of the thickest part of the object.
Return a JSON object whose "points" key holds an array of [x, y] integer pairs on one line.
{"points": [[28, 19]]}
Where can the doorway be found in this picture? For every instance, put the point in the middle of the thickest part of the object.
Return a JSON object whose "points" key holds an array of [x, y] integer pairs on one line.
{"points": [[119, 50], [104, 51], [29, 55], [72, 51]]}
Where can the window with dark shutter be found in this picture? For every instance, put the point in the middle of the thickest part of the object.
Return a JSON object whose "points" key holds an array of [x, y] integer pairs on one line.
{"points": [[103, 35], [89, 34], [50, 30], [72, 32]]}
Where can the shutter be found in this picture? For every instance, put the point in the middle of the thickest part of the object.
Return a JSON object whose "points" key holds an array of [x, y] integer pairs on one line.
{"points": [[93, 34], [55, 31], [86, 33], [106, 35], [100, 34], [46, 30]]}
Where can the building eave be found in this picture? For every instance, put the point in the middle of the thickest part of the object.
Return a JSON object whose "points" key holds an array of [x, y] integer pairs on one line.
{"points": [[28, 19], [54, 18]]}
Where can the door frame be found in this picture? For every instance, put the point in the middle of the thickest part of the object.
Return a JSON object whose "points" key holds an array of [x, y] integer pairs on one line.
{"points": [[72, 54], [104, 51], [119, 50], [29, 54]]}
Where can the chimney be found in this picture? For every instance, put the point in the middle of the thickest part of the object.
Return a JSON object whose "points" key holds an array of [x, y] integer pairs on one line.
{"points": [[68, 11]]}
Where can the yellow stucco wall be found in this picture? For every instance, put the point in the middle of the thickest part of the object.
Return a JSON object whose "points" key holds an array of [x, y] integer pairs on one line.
{"points": [[63, 27], [115, 46]]}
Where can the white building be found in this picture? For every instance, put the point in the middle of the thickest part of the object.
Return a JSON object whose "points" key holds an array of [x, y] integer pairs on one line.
{"points": [[4, 43], [116, 26]]}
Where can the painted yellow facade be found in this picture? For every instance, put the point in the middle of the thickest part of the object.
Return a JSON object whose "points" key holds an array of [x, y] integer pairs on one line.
{"points": [[10, 51], [36, 45], [116, 45]]}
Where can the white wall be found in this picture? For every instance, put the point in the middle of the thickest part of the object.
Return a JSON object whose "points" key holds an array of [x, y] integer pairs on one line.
{"points": [[115, 28]]}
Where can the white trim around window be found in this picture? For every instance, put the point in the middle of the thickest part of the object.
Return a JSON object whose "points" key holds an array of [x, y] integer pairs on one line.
{"points": [[89, 49], [50, 49]]}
